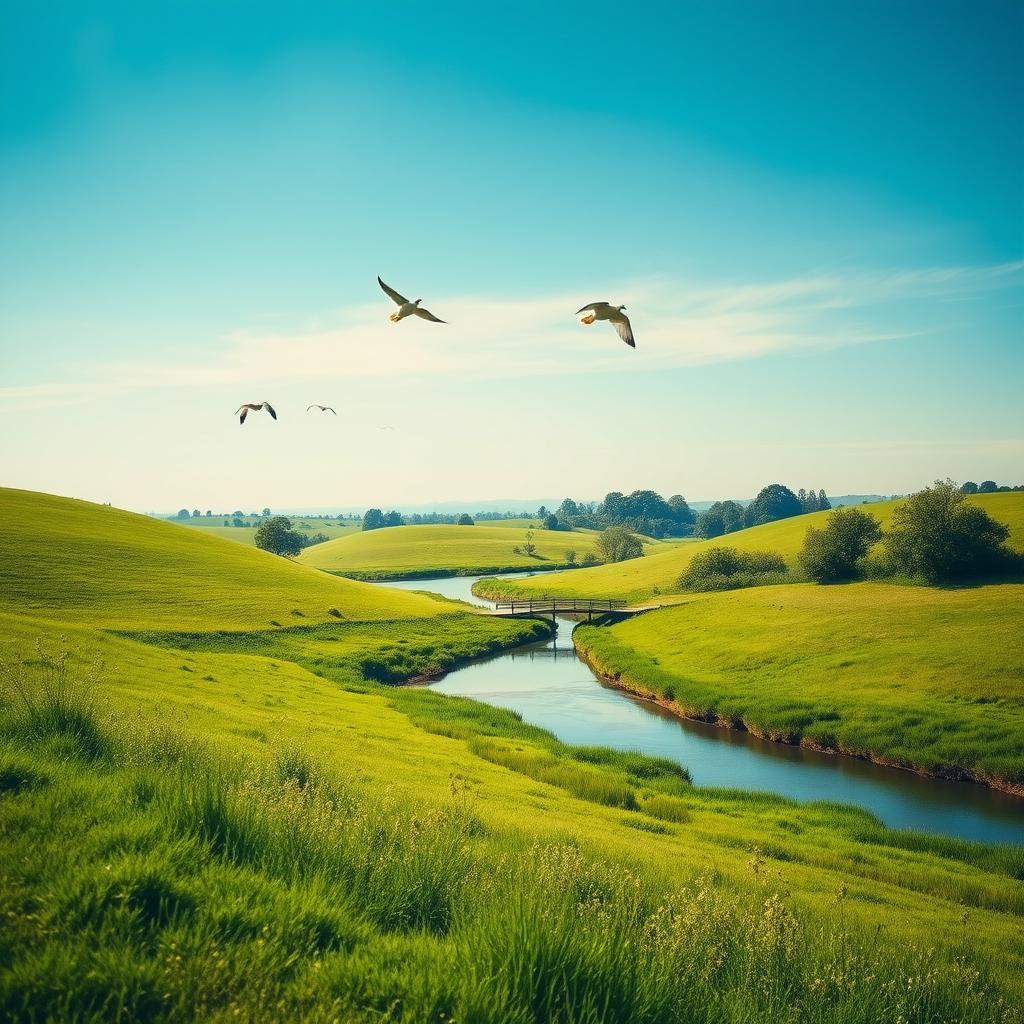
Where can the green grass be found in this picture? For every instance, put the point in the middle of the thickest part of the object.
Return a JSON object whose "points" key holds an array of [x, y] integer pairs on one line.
{"points": [[422, 551], [657, 573], [237, 821], [214, 527], [922, 678]]}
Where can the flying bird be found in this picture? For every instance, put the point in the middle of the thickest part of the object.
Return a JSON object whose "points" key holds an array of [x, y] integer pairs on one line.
{"points": [[386, 427], [322, 408], [613, 314], [405, 307], [255, 407]]}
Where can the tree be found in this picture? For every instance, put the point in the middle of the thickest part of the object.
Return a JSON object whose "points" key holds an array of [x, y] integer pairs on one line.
{"points": [[589, 559], [801, 496], [196, 514], [568, 510], [968, 487], [773, 502], [373, 519], [681, 511], [277, 536], [541, 512], [465, 519], [529, 548], [938, 536], [227, 522], [570, 556], [208, 513], [265, 512], [394, 518], [823, 503], [182, 513], [617, 544], [551, 522], [834, 554], [729, 569], [988, 487]]}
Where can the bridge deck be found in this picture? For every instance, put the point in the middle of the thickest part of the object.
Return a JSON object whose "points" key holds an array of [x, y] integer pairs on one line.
{"points": [[533, 606]]}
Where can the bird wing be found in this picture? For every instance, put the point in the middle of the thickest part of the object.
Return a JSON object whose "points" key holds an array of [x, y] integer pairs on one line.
{"points": [[427, 315], [327, 408], [625, 329], [270, 409], [244, 410], [592, 305], [400, 300], [308, 407]]}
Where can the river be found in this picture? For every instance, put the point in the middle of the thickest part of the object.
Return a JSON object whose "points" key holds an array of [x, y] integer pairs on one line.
{"points": [[552, 688]]}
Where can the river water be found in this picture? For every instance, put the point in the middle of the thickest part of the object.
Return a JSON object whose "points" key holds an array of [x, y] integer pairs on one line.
{"points": [[551, 688]]}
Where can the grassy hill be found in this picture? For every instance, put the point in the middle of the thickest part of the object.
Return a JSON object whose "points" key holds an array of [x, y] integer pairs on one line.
{"points": [[658, 572], [215, 527], [422, 551], [236, 821], [917, 677]]}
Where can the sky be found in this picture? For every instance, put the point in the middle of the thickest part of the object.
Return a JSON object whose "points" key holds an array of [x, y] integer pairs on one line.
{"points": [[814, 215]]}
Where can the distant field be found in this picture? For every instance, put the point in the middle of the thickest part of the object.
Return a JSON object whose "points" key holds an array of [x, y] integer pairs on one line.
{"points": [[423, 550], [245, 534], [658, 572], [923, 678]]}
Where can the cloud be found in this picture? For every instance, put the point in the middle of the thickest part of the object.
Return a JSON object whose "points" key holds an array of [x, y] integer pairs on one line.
{"points": [[677, 323]]}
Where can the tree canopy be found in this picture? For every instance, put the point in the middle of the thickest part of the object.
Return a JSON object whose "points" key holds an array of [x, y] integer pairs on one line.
{"points": [[834, 554], [277, 536], [617, 544], [776, 501]]}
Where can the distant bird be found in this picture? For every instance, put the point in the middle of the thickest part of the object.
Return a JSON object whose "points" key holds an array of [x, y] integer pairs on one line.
{"points": [[405, 307], [322, 408], [255, 407], [613, 314]]}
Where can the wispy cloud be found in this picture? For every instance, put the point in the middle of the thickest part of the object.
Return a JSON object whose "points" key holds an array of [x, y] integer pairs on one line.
{"points": [[677, 324]]}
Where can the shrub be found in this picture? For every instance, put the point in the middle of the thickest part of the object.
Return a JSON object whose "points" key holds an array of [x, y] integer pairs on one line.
{"points": [[277, 536], [730, 569], [617, 544], [570, 556], [835, 554]]}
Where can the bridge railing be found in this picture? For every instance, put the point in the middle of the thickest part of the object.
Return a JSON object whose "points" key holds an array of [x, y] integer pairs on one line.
{"points": [[553, 605]]}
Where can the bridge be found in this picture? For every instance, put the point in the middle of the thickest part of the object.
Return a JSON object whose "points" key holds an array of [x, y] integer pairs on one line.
{"points": [[539, 607]]}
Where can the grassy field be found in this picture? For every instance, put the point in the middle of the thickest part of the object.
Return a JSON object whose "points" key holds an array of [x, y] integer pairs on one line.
{"points": [[237, 821], [215, 527], [412, 551], [658, 572], [923, 678]]}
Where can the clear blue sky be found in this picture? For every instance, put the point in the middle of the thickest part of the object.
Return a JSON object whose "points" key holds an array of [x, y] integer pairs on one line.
{"points": [[813, 213]]}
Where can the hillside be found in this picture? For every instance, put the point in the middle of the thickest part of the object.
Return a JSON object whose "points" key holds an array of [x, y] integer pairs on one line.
{"points": [[215, 527], [917, 677], [658, 571], [436, 550]]}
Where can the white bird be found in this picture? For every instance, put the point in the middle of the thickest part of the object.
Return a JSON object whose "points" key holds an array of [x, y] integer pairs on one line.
{"points": [[322, 408], [255, 407], [614, 315], [405, 307]]}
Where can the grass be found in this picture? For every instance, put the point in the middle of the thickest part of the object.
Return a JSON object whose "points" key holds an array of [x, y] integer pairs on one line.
{"points": [[214, 527], [236, 821], [917, 677], [658, 572], [423, 551]]}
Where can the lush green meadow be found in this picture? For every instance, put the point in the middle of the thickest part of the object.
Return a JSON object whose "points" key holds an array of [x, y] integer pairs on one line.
{"points": [[236, 820], [423, 551], [657, 573], [927, 679], [215, 527]]}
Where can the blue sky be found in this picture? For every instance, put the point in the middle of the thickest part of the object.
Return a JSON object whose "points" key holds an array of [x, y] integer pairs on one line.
{"points": [[814, 216]]}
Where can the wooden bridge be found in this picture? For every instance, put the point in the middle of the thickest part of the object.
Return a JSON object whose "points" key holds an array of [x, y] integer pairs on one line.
{"points": [[540, 607]]}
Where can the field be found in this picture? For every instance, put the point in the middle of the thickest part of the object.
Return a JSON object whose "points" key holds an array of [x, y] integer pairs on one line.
{"points": [[236, 820], [917, 677], [658, 572], [423, 551], [215, 527]]}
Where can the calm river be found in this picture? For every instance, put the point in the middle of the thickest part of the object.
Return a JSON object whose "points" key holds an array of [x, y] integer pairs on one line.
{"points": [[550, 687]]}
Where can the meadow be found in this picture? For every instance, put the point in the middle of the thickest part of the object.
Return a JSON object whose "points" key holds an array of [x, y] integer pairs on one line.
{"points": [[213, 808], [439, 550], [657, 573], [214, 527]]}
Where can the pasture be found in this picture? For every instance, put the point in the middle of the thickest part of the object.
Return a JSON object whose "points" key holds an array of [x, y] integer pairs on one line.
{"points": [[216, 810], [214, 527]]}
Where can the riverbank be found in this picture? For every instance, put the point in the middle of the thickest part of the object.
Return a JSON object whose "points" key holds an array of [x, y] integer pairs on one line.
{"points": [[399, 575], [909, 678]]}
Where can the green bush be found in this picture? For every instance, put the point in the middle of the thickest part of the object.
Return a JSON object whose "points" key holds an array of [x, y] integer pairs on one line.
{"points": [[730, 569], [836, 554]]}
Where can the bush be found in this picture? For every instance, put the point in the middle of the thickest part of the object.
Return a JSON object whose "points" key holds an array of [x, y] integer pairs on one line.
{"points": [[937, 536], [617, 544], [590, 559], [570, 556], [465, 520], [836, 553], [730, 569]]}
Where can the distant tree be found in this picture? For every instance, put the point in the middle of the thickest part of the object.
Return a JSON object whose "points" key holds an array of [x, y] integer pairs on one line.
{"points": [[810, 502], [834, 554], [551, 522], [542, 512], [681, 510], [968, 487], [182, 513], [801, 496], [570, 556], [394, 518], [617, 544], [265, 512], [590, 559], [773, 502], [208, 513], [196, 514], [721, 517], [277, 536], [465, 519], [988, 487], [938, 536], [373, 519], [238, 521], [237, 514], [529, 548], [227, 522], [568, 510], [823, 503]]}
